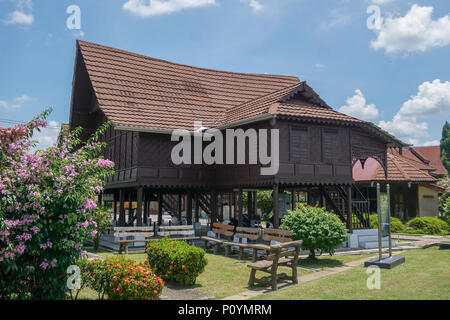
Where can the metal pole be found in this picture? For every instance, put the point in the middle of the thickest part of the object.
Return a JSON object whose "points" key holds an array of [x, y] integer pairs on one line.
{"points": [[379, 222], [389, 217]]}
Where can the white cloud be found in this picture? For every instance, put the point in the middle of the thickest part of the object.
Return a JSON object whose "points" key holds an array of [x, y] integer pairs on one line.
{"points": [[149, 8], [431, 102], [381, 2], [338, 18], [357, 106], [16, 104], [19, 16], [320, 65], [431, 143], [254, 4], [416, 31], [47, 136]]}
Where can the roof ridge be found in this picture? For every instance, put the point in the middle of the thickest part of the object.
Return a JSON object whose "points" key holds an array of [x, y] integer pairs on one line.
{"points": [[256, 100], [280, 76]]}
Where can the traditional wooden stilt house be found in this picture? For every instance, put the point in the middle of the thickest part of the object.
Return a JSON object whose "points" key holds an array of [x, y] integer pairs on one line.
{"points": [[145, 99]]}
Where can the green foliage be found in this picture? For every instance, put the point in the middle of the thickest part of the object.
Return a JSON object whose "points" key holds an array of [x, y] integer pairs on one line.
{"points": [[444, 199], [265, 201], [445, 146], [428, 225], [318, 228], [120, 278], [103, 221], [46, 207], [446, 218], [397, 225], [176, 260]]}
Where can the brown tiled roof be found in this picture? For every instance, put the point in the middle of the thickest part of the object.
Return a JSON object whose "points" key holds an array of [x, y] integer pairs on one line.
{"points": [[400, 169], [139, 91], [433, 155]]}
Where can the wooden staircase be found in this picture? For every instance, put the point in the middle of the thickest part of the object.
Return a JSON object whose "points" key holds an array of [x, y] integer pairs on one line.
{"points": [[337, 198]]}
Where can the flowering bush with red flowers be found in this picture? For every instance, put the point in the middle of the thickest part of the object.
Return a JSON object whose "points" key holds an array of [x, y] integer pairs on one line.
{"points": [[46, 207], [121, 278], [176, 260]]}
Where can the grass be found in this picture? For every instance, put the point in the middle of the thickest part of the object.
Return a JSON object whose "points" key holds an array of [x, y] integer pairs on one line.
{"points": [[226, 276], [424, 275]]}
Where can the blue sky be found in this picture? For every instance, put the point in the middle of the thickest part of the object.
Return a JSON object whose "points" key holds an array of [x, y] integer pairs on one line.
{"points": [[396, 75]]}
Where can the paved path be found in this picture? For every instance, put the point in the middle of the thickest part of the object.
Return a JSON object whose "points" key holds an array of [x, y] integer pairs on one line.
{"points": [[306, 278]]}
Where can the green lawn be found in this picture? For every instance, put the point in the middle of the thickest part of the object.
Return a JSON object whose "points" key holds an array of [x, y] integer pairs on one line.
{"points": [[226, 276], [425, 275]]}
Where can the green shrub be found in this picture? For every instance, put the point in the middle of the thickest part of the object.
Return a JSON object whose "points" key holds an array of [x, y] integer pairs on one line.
{"points": [[121, 278], [397, 225], [428, 225], [176, 260], [446, 219], [319, 229]]}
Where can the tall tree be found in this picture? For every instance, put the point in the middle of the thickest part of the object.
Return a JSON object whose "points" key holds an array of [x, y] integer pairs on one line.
{"points": [[445, 146]]}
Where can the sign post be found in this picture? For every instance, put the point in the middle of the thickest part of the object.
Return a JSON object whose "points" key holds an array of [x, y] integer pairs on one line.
{"points": [[384, 231]]}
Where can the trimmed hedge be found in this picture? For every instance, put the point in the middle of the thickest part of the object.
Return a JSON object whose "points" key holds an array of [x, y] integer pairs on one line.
{"points": [[428, 225], [121, 278], [176, 260], [318, 228], [397, 225]]}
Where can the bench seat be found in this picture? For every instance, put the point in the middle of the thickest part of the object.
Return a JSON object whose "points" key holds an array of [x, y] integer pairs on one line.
{"points": [[283, 254], [264, 264]]}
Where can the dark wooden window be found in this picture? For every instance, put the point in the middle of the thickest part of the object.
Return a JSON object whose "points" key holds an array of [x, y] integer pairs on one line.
{"points": [[300, 144], [330, 145]]}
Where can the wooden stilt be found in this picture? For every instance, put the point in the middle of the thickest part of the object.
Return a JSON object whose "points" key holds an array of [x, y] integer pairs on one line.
{"points": [[160, 208], [145, 208], [350, 209], [276, 219], [189, 208], [179, 206], [241, 214], [122, 208], [139, 197], [197, 207], [130, 207]]}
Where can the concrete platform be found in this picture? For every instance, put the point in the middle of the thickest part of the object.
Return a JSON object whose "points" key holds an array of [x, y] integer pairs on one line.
{"points": [[385, 262], [444, 246]]}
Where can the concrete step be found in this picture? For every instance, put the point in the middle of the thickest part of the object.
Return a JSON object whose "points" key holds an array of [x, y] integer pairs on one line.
{"points": [[367, 238], [374, 244], [366, 232]]}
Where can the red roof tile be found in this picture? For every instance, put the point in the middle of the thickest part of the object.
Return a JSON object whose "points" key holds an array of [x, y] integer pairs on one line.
{"points": [[146, 93], [139, 91], [433, 155], [400, 169]]}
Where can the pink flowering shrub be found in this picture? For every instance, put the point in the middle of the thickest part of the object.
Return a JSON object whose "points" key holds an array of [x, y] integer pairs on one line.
{"points": [[46, 204]]}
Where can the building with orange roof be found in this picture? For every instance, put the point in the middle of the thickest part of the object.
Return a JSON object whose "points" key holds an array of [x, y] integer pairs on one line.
{"points": [[412, 176]]}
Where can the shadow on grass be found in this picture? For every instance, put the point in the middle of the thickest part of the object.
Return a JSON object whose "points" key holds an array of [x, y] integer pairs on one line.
{"points": [[318, 263]]}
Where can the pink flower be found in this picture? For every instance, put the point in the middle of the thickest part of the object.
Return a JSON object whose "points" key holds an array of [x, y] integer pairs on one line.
{"points": [[90, 205], [105, 163]]}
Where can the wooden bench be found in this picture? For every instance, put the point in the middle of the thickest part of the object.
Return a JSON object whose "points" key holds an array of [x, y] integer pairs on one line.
{"points": [[277, 235], [283, 254], [268, 236], [186, 233], [242, 233], [125, 232], [220, 230]]}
